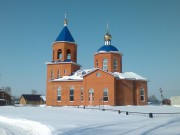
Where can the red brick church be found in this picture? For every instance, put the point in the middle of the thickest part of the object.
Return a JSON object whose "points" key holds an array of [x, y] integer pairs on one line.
{"points": [[69, 85]]}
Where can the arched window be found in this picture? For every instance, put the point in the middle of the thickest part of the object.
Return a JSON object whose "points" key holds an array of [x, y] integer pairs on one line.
{"points": [[68, 54], [115, 64], [59, 94], [142, 96], [65, 71], [96, 63], [81, 93], [71, 94], [59, 54], [105, 94], [52, 74], [105, 64], [91, 95], [53, 55], [58, 74]]}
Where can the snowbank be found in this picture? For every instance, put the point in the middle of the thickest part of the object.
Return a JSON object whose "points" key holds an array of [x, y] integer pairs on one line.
{"points": [[79, 121], [22, 126]]}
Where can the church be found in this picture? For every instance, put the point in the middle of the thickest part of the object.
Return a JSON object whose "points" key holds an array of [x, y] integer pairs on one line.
{"points": [[105, 84]]}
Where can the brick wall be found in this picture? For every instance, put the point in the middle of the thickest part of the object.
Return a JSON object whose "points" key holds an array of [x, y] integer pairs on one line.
{"points": [[98, 84], [64, 46], [110, 56]]}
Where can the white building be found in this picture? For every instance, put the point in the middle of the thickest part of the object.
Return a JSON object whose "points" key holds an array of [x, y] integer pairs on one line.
{"points": [[175, 100]]}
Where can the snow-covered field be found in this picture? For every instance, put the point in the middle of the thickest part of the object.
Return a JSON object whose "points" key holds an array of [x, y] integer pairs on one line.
{"points": [[79, 121]]}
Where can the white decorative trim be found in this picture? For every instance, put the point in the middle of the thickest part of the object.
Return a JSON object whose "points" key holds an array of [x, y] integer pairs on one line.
{"points": [[57, 62], [63, 42], [101, 52]]}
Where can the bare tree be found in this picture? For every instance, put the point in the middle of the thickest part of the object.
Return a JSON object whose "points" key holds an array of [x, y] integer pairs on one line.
{"points": [[34, 92], [7, 90], [153, 100]]}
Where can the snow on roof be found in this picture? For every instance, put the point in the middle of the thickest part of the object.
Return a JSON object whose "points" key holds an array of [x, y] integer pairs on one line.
{"points": [[57, 62], [129, 76], [77, 76], [43, 98]]}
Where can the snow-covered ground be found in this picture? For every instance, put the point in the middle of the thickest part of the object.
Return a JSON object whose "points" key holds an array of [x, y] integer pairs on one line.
{"points": [[79, 121]]}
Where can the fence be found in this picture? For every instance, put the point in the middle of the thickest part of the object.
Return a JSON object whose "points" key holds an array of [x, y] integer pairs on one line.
{"points": [[150, 115]]}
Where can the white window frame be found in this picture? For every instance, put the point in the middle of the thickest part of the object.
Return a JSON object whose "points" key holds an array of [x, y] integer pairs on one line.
{"points": [[71, 94], [96, 63], [82, 92], [65, 71], [59, 91], [52, 74], [105, 64], [58, 74], [105, 95], [115, 64], [91, 93]]}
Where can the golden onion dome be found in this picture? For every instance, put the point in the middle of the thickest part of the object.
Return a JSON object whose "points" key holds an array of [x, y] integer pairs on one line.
{"points": [[107, 37]]}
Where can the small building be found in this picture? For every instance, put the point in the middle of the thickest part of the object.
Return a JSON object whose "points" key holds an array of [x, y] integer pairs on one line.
{"points": [[32, 99], [175, 100], [5, 98]]}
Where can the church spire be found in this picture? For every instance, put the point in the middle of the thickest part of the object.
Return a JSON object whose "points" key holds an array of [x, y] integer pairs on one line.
{"points": [[65, 35], [107, 26], [65, 20], [107, 36]]}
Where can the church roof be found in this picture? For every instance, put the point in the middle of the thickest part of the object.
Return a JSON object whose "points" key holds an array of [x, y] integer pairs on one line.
{"points": [[129, 76], [80, 74], [65, 36], [108, 48]]}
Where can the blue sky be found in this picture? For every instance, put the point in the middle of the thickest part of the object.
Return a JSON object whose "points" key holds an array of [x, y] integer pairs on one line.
{"points": [[147, 32]]}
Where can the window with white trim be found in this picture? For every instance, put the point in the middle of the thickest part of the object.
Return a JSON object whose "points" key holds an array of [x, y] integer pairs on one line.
{"points": [[96, 63], [105, 64], [81, 94], [59, 94], [105, 94], [91, 95], [142, 96], [65, 72], [52, 74], [71, 94], [58, 74], [115, 64]]}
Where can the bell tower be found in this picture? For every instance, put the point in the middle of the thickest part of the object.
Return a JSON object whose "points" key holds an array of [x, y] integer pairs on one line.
{"points": [[64, 55], [108, 58], [64, 47]]}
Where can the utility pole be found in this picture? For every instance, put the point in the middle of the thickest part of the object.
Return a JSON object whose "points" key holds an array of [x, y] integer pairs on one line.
{"points": [[162, 97], [0, 77]]}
